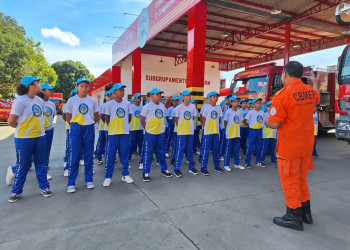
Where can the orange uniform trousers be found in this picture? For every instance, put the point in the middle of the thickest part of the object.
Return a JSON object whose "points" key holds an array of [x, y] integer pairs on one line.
{"points": [[293, 176]]}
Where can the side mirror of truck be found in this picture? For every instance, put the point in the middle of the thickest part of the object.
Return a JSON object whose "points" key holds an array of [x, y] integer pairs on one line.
{"points": [[344, 67]]}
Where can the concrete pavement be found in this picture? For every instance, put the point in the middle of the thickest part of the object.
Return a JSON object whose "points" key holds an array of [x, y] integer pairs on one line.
{"points": [[223, 211]]}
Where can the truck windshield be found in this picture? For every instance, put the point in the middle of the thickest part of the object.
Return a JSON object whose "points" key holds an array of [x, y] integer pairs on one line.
{"points": [[251, 85]]}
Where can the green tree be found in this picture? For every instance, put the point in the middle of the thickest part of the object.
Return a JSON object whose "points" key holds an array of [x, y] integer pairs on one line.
{"points": [[20, 56], [68, 72]]}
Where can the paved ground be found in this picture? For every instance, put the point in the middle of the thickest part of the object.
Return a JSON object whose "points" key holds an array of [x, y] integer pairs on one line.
{"points": [[224, 211]]}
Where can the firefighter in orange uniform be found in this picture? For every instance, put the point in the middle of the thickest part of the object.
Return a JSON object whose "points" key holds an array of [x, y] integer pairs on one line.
{"points": [[291, 114]]}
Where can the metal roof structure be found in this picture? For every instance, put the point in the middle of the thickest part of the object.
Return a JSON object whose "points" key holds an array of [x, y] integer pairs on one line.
{"points": [[253, 31]]}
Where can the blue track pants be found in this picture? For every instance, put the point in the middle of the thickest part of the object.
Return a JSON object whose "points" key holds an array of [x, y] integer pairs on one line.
{"points": [[117, 144]]}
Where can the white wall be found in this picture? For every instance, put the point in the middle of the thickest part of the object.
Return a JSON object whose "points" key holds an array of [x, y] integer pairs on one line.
{"points": [[150, 66]]}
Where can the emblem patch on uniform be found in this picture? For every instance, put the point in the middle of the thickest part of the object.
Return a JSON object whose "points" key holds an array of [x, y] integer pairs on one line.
{"points": [[244, 115], [48, 111], [83, 109], [259, 119], [273, 111], [214, 115], [120, 112], [37, 110], [236, 119], [137, 114], [187, 115], [159, 113], [315, 120]]}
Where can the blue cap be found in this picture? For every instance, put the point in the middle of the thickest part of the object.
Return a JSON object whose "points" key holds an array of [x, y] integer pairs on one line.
{"points": [[255, 100], [156, 91], [146, 101], [117, 86], [212, 94], [234, 97], [268, 103], [132, 100], [73, 91], [46, 86], [263, 108], [249, 102], [27, 80], [180, 98], [107, 93], [242, 100], [193, 101], [186, 92], [206, 102], [222, 103], [82, 80], [137, 95], [163, 101], [175, 98]]}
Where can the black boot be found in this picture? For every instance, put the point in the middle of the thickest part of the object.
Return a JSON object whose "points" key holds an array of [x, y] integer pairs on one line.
{"points": [[306, 212], [292, 219]]}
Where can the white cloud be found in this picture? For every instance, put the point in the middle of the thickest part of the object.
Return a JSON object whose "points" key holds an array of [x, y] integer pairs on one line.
{"points": [[96, 58], [64, 36]]}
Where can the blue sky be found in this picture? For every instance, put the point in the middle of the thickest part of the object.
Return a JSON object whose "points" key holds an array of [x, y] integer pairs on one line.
{"points": [[76, 29]]}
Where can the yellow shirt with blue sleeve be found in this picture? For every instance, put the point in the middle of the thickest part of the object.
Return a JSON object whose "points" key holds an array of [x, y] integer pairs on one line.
{"points": [[119, 117], [212, 116], [30, 114], [315, 118], [49, 113], [255, 119], [82, 110], [185, 122], [233, 119], [269, 133], [135, 123], [154, 114]]}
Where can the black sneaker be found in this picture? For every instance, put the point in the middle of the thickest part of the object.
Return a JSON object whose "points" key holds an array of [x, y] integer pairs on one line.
{"points": [[167, 174], [178, 173], [205, 172], [263, 165], [46, 192], [193, 171], [146, 177], [13, 198], [172, 163], [220, 170], [99, 162], [248, 166]]}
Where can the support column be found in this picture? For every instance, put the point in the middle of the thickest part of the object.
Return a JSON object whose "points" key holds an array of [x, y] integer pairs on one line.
{"points": [[287, 43], [196, 35], [116, 74], [136, 71]]}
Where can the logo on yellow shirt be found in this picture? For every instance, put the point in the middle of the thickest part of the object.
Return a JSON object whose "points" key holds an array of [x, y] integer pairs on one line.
{"points": [[214, 115], [48, 111], [120, 112], [36, 110], [187, 115], [137, 113], [259, 118], [159, 113], [236, 119], [83, 109]]}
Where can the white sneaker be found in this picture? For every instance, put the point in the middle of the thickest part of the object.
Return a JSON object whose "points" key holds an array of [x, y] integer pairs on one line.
{"points": [[81, 163], [66, 173], [166, 155], [127, 179], [141, 166], [10, 176], [99, 162], [49, 177], [221, 158], [71, 189], [115, 161], [239, 167], [227, 168], [64, 164], [187, 161], [157, 164], [107, 182], [258, 164], [90, 185], [198, 153], [129, 167]]}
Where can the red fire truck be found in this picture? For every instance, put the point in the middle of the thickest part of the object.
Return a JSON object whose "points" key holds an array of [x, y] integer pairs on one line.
{"points": [[263, 81], [57, 99]]}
